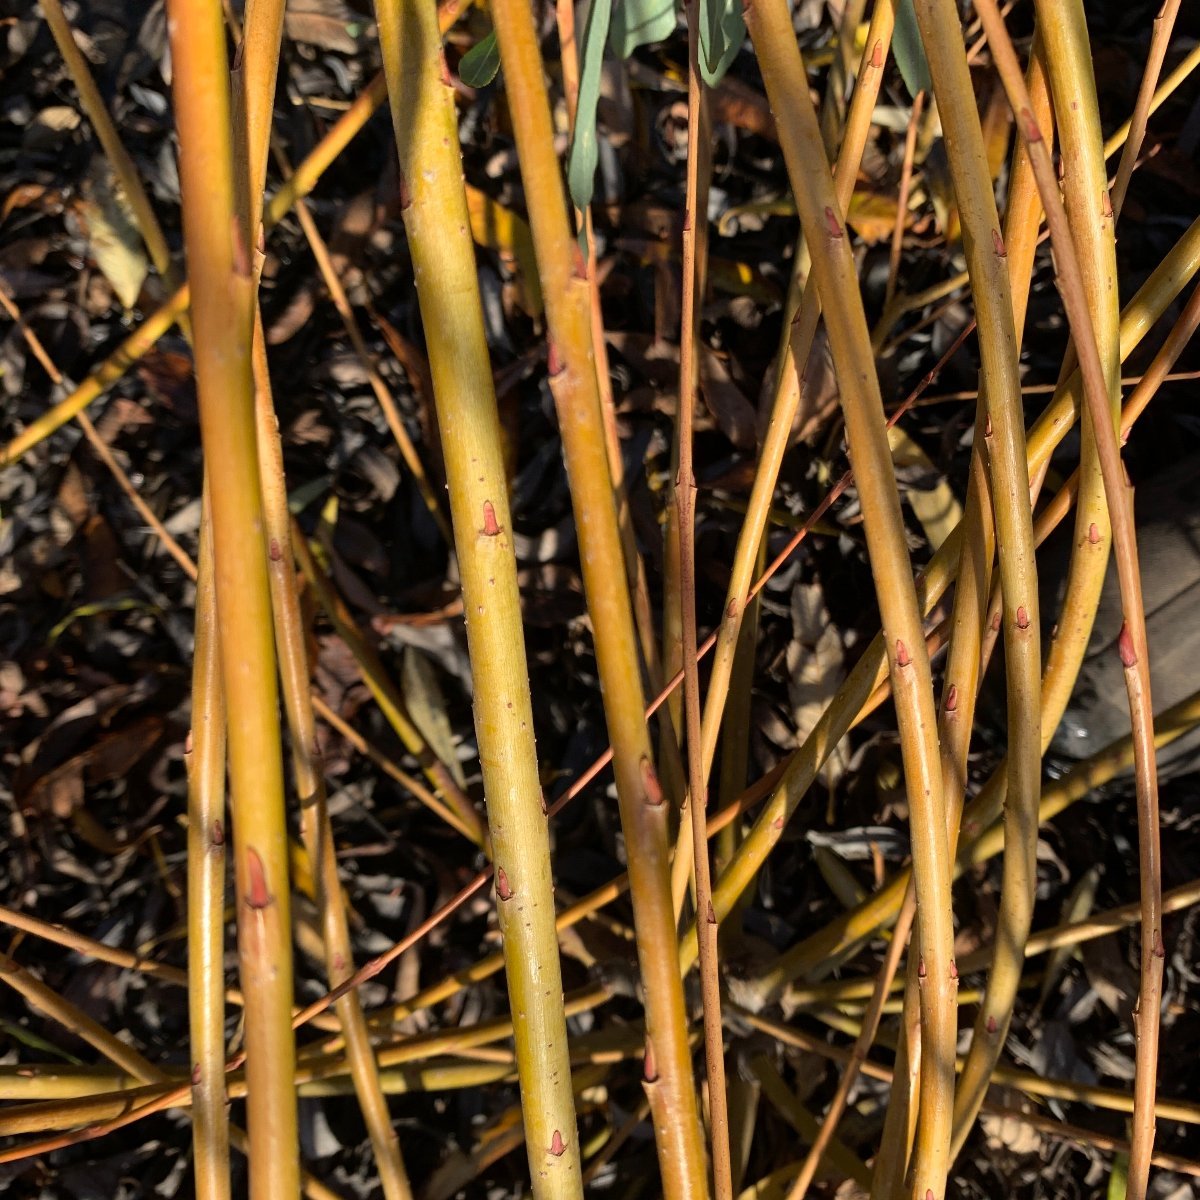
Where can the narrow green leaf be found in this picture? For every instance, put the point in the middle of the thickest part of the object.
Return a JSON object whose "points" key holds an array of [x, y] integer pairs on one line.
{"points": [[1118, 1181], [908, 50], [481, 63], [640, 22], [722, 32], [585, 152]]}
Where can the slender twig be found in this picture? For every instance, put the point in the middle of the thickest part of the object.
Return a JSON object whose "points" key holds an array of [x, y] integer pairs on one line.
{"points": [[1162, 94], [906, 169], [1160, 38], [862, 1046], [118, 157]]}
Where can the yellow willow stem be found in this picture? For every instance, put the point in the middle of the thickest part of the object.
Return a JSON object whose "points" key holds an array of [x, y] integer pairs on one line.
{"points": [[1170, 277], [120, 1053], [793, 362], [1097, 925], [206, 889], [988, 270], [960, 692], [963, 668], [316, 828], [254, 75], [1132, 643], [437, 223], [769, 25], [1063, 30], [1110, 1099], [902, 198], [858, 1056], [791, 370], [695, 246], [840, 1157], [221, 278], [564, 14], [644, 813], [387, 402]]}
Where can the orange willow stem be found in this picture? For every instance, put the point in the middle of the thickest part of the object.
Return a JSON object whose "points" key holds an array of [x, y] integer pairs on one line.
{"points": [[769, 24], [222, 306], [437, 224], [644, 814]]}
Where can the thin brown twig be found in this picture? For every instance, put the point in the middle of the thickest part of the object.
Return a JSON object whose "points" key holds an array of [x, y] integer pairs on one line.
{"points": [[1164, 23]]}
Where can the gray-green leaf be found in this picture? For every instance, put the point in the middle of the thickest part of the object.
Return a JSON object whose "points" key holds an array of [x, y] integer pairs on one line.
{"points": [[909, 51], [640, 22], [585, 152], [722, 32], [480, 64]]}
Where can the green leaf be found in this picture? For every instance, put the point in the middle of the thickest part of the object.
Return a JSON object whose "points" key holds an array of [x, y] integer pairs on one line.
{"points": [[640, 22], [1118, 1181], [480, 65], [585, 152], [908, 50], [722, 32]]}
